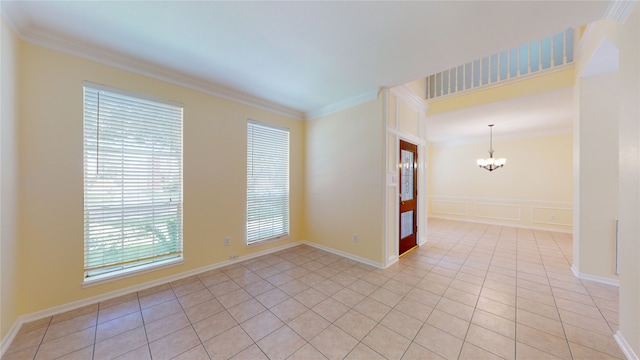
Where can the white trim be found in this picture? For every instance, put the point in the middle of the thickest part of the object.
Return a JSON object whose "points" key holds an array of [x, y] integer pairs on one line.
{"points": [[624, 346], [138, 270], [11, 335], [503, 201], [392, 260], [6, 342], [343, 104], [406, 136], [108, 58], [541, 72], [598, 279], [410, 98], [584, 39], [344, 254], [619, 10], [464, 203], [519, 207], [549, 208], [128, 93], [390, 178], [522, 226]]}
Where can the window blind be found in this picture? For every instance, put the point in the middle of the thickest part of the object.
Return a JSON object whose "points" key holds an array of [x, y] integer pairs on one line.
{"points": [[132, 180], [267, 182]]}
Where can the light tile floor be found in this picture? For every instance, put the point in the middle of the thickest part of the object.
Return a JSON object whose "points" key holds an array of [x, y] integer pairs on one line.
{"points": [[473, 292]]}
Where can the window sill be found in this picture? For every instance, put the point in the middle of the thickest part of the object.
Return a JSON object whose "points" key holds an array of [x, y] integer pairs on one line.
{"points": [[105, 278]]}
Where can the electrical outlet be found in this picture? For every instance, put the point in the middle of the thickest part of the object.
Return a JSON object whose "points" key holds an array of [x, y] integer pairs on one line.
{"points": [[355, 238], [233, 257], [227, 241]]}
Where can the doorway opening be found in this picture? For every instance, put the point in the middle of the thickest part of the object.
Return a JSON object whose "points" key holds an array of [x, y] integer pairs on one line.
{"points": [[408, 197]]}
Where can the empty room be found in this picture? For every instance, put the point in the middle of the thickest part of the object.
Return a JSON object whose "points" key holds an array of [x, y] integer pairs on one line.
{"points": [[319, 180]]}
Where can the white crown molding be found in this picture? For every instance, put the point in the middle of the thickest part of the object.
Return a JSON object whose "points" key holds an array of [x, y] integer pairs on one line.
{"points": [[89, 52], [342, 105], [619, 10], [410, 98]]}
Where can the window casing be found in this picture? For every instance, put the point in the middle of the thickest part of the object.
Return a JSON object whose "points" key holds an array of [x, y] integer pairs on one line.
{"points": [[267, 182], [132, 182]]}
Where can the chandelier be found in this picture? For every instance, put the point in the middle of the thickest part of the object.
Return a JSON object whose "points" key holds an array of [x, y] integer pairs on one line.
{"points": [[491, 163]]}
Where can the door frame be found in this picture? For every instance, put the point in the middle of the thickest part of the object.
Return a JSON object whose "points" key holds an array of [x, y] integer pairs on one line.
{"points": [[404, 118], [414, 202]]}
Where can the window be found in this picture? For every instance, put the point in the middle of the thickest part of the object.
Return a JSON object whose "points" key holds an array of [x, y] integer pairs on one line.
{"points": [[267, 182], [132, 182]]}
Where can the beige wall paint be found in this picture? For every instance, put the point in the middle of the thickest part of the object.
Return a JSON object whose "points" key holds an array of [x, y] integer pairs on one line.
{"points": [[418, 87], [533, 84], [51, 196], [597, 163], [344, 181], [9, 246], [625, 109], [534, 188], [629, 177]]}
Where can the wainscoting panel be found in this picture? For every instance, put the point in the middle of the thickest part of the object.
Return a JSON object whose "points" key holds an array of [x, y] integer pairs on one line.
{"points": [[496, 211], [534, 214], [448, 207], [551, 215]]}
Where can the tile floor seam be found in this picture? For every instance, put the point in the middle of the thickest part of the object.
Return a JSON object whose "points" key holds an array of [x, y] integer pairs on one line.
{"points": [[461, 249], [95, 334], [597, 307], [35, 355], [476, 305], [440, 299], [143, 328], [566, 338]]}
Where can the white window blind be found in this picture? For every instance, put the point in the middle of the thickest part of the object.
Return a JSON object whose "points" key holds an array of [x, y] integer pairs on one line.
{"points": [[267, 182], [132, 181]]}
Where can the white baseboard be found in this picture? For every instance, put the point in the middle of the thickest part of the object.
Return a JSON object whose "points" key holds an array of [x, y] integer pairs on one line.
{"points": [[624, 346], [6, 342], [344, 254], [497, 223], [598, 279]]}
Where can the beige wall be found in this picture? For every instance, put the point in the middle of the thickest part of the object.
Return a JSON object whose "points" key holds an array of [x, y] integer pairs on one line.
{"points": [[51, 194], [534, 188], [531, 84], [629, 175], [344, 181], [597, 165], [9, 246], [621, 107]]}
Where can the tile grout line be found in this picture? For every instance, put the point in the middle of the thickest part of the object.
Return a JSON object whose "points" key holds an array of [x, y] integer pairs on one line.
{"points": [[462, 245], [143, 326], [554, 296]]}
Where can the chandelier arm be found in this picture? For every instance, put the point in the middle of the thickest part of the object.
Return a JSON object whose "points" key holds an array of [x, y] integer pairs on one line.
{"points": [[491, 163]]}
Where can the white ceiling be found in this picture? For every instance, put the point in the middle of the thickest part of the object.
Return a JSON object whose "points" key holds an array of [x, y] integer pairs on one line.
{"points": [[540, 114], [300, 58]]}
